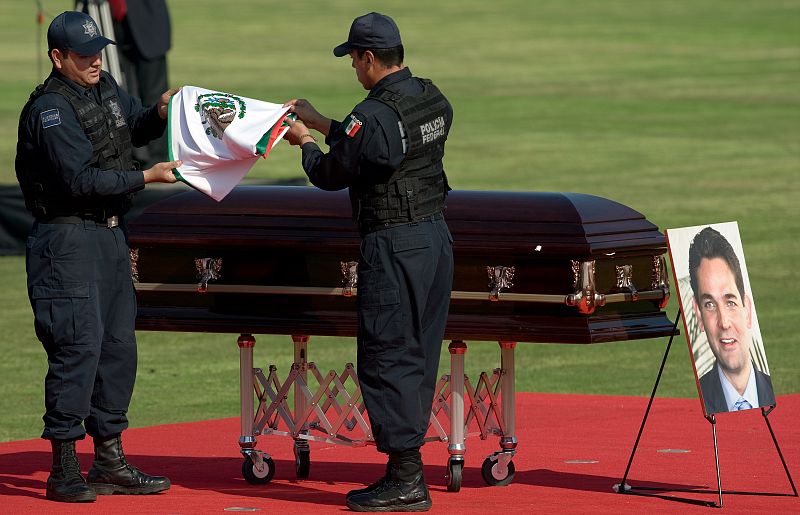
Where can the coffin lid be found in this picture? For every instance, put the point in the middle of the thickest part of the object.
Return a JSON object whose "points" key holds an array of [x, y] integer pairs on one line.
{"points": [[574, 224]]}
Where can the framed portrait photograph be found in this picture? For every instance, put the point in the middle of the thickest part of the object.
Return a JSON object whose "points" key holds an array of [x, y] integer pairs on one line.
{"points": [[719, 317]]}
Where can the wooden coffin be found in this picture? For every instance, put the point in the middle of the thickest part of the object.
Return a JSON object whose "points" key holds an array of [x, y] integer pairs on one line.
{"points": [[529, 267]]}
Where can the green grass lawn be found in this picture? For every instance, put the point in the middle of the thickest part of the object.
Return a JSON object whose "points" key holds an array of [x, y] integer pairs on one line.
{"points": [[687, 111]]}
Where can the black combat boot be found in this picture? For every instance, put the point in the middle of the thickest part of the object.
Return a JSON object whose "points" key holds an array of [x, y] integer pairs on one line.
{"points": [[386, 477], [66, 484], [405, 490], [112, 474]]}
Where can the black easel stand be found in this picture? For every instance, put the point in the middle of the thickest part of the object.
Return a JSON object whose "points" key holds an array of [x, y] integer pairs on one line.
{"points": [[624, 488], [766, 412]]}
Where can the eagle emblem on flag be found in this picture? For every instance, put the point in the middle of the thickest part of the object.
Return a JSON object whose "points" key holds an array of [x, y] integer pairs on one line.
{"points": [[219, 136], [218, 111]]}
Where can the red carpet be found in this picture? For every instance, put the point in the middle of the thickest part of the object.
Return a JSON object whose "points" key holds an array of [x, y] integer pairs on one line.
{"points": [[572, 450]]}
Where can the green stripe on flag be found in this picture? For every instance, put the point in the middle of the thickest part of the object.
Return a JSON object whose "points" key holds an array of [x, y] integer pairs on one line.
{"points": [[261, 146], [264, 145], [175, 171], [169, 128]]}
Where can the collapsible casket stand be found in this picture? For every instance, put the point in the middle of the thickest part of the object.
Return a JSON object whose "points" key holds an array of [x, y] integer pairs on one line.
{"points": [[561, 268], [332, 411], [624, 488]]}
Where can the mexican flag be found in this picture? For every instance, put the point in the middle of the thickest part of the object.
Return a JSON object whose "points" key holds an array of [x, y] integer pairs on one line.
{"points": [[219, 136]]}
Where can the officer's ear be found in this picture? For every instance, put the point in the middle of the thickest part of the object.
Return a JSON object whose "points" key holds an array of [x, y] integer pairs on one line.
{"points": [[57, 57], [369, 57]]}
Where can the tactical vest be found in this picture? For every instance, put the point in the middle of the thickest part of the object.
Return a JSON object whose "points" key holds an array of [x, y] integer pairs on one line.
{"points": [[418, 188], [108, 132]]}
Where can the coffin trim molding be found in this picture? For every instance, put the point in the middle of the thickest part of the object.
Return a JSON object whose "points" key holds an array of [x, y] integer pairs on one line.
{"points": [[347, 292]]}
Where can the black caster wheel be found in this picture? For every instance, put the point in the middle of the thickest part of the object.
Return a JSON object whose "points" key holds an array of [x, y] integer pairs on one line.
{"points": [[492, 476], [253, 475], [302, 462], [454, 468]]}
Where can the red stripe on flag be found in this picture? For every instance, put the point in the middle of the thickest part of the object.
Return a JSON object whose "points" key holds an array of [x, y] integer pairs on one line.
{"points": [[274, 132]]}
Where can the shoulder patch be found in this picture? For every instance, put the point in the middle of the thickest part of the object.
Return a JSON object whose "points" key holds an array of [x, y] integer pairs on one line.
{"points": [[50, 118], [352, 125]]}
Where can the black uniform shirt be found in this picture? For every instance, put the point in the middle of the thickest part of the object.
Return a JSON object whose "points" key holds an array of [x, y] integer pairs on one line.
{"points": [[375, 146], [53, 133]]}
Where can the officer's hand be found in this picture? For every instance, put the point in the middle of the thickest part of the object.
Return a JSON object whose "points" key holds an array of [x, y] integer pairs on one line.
{"points": [[298, 133], [163, 103], [162, 172], [310, 116]]}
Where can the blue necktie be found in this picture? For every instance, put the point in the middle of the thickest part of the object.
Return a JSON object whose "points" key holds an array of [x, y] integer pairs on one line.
{"points": [[741, 404]]}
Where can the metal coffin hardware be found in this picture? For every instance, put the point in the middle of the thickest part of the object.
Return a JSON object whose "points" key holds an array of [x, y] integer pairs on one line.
{"points": [[660, 279], [350, 280], [208, 269], [500, 278], [586, 298], [625, 280]]}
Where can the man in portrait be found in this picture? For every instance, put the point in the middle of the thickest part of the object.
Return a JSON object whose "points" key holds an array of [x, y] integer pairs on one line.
{"points": [[724, 312]]}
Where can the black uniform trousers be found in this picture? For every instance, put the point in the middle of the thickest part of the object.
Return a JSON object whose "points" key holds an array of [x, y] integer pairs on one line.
{"points": [[84, 305], [405, 276]]}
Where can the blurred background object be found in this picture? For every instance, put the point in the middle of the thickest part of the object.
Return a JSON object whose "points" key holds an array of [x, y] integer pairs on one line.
{"points": [[142, 31]]}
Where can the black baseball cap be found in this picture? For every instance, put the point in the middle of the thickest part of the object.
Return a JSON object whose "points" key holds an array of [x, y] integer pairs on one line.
{"points": [[76, 31], [372, 30]]}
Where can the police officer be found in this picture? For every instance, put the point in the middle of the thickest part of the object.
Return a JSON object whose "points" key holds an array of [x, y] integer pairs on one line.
{"points": [[388, 151], [75, 169]]}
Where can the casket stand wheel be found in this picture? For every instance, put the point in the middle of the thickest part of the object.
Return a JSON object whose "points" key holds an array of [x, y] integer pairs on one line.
{"points": [[493, 473], [302, 460], [258, 474], [454, 469]]}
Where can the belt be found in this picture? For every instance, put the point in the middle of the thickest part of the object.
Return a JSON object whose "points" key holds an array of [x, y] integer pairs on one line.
{"points": [[110, 222], [368, 227], [431, 218]]}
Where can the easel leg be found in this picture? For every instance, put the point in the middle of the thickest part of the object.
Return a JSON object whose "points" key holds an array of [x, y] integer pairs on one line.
{"points": [[623, 486], [713, 421], [777, 448]]}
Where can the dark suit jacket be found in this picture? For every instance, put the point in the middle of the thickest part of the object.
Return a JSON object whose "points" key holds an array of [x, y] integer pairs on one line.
{"points": [[714, 396], [148, 21]]}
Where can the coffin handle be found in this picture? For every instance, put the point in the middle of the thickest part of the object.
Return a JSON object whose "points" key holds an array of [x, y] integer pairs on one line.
{"points": [[625, 281], [660, 279], [208, 269], [586, 297], [350, 280], [500, 278], [134, 254]]}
